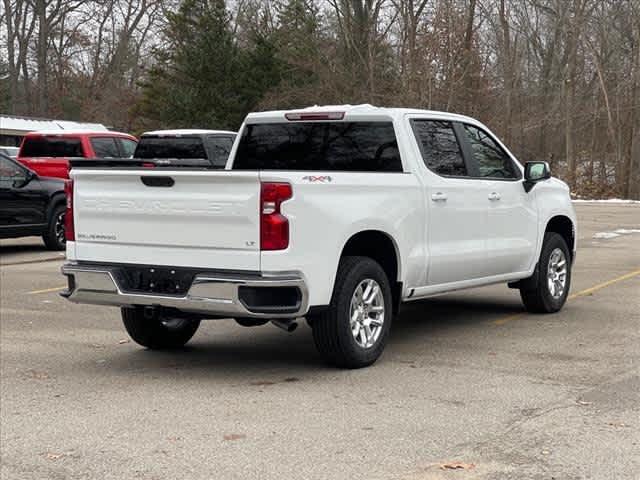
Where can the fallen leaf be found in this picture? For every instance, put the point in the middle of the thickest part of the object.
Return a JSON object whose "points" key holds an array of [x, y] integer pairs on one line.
{"points": [[124, 340], [617, 424], [37, 375], [582, 402], [457, 466], [54, 456], [234, 436]]}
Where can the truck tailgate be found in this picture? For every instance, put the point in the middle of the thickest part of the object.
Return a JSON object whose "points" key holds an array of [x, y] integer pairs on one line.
{"points": [[206, 219]]}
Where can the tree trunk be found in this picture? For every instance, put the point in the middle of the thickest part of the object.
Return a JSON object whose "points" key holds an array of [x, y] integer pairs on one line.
{"points": [[507, 72], [467, 83], [633, 161], [41, 56]]}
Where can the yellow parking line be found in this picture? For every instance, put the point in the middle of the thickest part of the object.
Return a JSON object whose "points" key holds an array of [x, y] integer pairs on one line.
{"points": [[503, 320], [595, 288], [626, 276], [47, 290]]}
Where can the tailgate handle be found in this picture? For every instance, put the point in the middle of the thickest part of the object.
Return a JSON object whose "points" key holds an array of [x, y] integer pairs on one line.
{"points": [[153, 181]]}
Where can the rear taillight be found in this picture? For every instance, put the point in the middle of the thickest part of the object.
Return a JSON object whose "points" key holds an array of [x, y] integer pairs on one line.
{"points": [[69, 228], [274, 227]]}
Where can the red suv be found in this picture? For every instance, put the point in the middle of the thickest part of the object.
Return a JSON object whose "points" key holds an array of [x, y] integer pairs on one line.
{"points": [[48, 152]]}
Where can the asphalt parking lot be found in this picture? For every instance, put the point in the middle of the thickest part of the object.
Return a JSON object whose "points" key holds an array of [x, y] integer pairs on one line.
{"points": [[469, 387]]}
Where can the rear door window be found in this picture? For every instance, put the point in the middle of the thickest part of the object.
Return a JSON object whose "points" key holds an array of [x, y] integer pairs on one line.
{"points": [[170, 147], [105, 147], [51, 147], [440, 149], [320, 146]]}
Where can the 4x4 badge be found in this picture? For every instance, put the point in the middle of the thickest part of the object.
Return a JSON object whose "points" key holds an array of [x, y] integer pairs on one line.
{"points": [[313, 178]]}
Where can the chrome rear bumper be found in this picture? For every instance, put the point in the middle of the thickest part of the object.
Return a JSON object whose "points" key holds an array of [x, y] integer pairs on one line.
{"points": [[215, 294]]}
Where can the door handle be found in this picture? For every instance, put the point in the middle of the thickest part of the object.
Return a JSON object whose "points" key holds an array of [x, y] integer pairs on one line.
{"points": [[439, 197], [493, 196]]}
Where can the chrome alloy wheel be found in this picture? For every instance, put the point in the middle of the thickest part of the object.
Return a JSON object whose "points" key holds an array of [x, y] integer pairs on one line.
{"points": [[367, 313], [557, 273], [59, 228]]}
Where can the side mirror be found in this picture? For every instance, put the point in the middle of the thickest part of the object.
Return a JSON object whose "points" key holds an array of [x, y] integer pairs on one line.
{"points": [[535, 172]]}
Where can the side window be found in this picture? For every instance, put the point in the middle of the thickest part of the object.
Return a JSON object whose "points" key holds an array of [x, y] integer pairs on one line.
{"points": [[492, 161], [218, 149], [127, 146], [440, 149], [10, 173], [105, 147]]}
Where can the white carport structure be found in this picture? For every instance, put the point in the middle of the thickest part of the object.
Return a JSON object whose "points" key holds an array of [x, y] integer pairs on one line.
{"points": [[13, 128]]}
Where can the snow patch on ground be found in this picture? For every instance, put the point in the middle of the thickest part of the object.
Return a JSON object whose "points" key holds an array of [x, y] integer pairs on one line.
{"points": [[606, 235], [609, 200], [616, 233]]}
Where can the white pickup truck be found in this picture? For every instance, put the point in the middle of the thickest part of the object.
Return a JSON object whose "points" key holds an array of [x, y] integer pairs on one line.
{"points": [[337, 214]]}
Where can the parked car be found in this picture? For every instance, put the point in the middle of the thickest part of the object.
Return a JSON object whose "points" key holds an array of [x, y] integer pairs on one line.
{"points": [[211, 145], [334, 214], [48, 152], [31, 204], [10, 151]]}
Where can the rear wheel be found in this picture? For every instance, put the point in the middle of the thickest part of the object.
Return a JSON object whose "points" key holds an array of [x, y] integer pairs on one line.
{"points": [[157, 330], [547, 290], [353, 331], [54, 237]]}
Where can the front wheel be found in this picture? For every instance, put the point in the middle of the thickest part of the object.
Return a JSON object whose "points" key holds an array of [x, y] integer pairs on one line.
{"points": [[353, 331], [157, 330], [547, 290]]}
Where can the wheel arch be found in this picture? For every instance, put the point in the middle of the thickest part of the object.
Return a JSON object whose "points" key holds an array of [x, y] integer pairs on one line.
{"points": [[57, 199], [563, 226], [381, 247]]}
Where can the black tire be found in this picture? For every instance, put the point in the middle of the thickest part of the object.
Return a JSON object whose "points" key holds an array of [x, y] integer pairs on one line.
{"points": [[331, 328], [535, 291], [54, 238], [158, 332]]}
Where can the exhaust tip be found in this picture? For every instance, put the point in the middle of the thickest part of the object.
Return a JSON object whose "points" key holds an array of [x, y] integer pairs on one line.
{"points": [[286, 325]]}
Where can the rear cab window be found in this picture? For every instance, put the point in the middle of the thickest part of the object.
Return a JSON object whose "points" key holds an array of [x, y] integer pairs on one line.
{"points": [[349, 146], [51, 146], [150, 147]]}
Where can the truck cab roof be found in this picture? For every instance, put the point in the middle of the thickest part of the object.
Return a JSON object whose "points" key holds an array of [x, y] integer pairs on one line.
{"points": [[363, 112], [186, 132], [78, 133]]}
